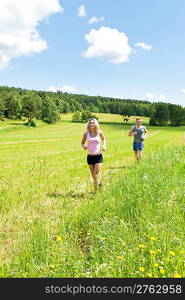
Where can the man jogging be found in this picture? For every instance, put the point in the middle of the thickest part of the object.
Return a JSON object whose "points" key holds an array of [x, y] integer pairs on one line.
{"points": [[140, 133]]}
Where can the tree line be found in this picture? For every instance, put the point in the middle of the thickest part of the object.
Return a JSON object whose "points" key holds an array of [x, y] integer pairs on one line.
{"points": [[17, 103]]}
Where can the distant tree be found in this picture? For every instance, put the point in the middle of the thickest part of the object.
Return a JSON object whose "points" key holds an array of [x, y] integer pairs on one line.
{"points": [[31, 107], [176, 114], [105, 107], [58, 102], [76, 117], [78, 106], [126, 119], [66, 107], [13, 105], [94, 116], [152, 120], [86, 115], [161, 115], [1, 108], [151, 110], [49, 111], [126, 110], [95, 109]]}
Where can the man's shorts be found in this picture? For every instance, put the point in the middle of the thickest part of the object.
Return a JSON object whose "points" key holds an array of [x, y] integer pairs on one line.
{"points": [[138, 146]]}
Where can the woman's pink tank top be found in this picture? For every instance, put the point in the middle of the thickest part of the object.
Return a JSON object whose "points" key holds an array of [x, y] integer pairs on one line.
{"points": [[93, 144]]}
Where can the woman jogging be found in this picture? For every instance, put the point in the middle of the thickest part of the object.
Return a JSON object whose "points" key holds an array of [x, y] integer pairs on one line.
{"points": [[93, 137], [140, 133]]}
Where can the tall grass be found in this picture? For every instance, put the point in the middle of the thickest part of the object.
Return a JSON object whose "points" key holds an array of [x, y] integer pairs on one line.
{"points": [[53, 225]]}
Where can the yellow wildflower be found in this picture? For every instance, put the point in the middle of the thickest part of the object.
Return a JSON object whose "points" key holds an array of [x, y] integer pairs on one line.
{"points": [[153, 238], [162, 271], [53, 266], [141, 269], [153, 252], [142, 246], [172, 253], [119, 257], [103, 238], [58, 238], [176, 275], [150, 275], [156, 265]]}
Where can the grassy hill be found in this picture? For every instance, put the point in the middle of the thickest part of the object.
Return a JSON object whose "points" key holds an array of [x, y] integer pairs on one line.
{"points": [[52, 224]]}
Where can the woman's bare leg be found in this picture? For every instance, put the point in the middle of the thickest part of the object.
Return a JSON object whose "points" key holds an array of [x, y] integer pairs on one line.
{"points": [[91, 168], [96, 175]]}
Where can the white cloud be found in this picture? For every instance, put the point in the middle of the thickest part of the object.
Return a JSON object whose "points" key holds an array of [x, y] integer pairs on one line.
{"points": [[108, 44], [162, 97], [82, 11], [18, 27], [96, 20], [149, 96], [152, 97], [182, 91], [102, 18], [143, 46], [64, 89], [118, 97]]}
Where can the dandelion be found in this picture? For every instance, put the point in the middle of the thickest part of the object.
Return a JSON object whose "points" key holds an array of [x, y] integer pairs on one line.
{"points": [[142, 246], [162, 271], [58, 238], [172, 253], [52, 266], [176, 275], [141, 269], [153, 238], [150, 275], [153, 252], [103, 238], [156, 265], [119, 257]]}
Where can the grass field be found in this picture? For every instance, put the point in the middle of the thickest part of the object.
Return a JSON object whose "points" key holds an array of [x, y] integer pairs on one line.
{"points": [[53, 225]]}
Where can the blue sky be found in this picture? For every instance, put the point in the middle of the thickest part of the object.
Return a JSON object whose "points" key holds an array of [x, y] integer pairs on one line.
{"points": [[119, 48]]}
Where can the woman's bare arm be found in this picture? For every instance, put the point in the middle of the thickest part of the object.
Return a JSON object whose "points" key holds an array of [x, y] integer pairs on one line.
{"points": [[83, 141], [103, 141]]}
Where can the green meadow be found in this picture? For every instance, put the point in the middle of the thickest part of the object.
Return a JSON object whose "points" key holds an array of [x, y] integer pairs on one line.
{"points": [[53, 224]]}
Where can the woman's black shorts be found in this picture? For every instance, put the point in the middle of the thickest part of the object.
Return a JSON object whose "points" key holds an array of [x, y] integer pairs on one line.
{"points": [[94, 159]]}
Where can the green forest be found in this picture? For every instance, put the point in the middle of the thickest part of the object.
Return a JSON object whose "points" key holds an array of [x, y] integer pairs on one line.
{"points": [[31, 105]]}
